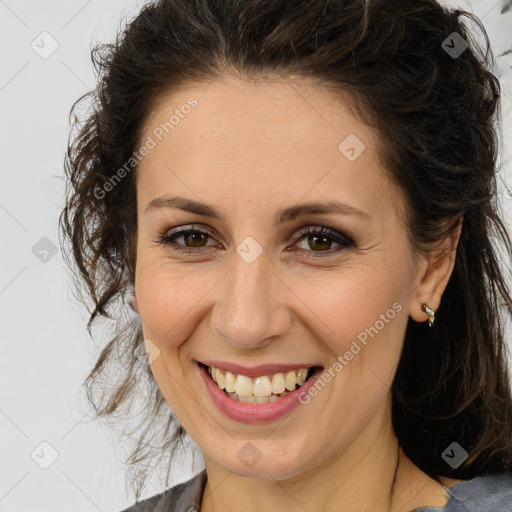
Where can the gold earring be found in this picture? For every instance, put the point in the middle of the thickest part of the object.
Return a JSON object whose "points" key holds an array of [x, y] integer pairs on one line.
{"points": [[430, 314]]}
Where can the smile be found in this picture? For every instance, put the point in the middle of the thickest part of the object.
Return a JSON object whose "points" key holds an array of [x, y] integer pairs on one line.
{"points": [[260, 390], [259, 394]]}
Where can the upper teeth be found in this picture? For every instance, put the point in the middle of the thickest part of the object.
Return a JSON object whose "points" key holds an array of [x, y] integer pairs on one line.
{"points": [[260, 386]]}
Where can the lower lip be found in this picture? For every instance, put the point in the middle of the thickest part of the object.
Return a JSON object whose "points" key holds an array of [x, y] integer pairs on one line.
{"points": [[255, 413]]}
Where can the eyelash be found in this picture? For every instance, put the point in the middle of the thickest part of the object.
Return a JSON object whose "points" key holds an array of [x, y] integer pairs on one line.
{"points": [[168, 238]]}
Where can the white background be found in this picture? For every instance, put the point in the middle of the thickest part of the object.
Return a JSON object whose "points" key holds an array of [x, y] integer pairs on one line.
{"points": [[45, 350]]}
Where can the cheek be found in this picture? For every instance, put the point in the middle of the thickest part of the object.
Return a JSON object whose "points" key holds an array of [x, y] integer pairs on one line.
{"points": [[168, 297], [362, 320], [358, 303]]}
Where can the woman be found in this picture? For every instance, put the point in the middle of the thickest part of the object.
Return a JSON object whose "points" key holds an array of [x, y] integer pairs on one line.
{"points": [[303, 197]]}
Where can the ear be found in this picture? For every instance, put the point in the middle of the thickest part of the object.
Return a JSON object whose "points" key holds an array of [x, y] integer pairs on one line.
{"points": [[436, 271]]}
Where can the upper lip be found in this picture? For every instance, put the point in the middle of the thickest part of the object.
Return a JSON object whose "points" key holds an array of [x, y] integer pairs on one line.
{"points": [[257, 371]]}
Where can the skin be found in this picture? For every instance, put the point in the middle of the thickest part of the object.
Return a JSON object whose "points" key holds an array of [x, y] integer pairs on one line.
{"points": [[250, 149]]}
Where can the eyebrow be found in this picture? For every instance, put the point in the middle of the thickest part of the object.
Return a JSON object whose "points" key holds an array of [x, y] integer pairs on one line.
{"points": [[285, 215]]}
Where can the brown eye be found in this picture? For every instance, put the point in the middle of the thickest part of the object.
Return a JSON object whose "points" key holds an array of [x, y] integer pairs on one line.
{"points": [[193, 239], [320, 239], [320, 243]]}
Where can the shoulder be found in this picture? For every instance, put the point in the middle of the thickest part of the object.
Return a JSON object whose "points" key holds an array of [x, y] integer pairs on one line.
{"points": [[486, 493], [184, 497]]}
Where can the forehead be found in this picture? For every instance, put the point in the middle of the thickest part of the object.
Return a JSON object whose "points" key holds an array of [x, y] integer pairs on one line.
{"points": [[233, 111], [261, 138]]}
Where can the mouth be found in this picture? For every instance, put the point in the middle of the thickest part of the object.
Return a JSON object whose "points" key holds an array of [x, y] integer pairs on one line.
{"points": [[262, 389]]}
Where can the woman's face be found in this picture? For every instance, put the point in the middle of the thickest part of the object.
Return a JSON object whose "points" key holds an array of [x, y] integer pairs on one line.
{"points": [[256, 288]]}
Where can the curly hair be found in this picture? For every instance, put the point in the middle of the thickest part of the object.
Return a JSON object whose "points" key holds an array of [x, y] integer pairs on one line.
{"points": [[437, 117]]}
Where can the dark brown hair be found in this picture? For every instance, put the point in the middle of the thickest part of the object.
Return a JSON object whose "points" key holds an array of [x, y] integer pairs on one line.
{"points": [[436, 117]]}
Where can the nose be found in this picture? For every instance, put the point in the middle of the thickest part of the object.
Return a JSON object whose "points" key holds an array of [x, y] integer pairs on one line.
{"points": [[251, 308]]}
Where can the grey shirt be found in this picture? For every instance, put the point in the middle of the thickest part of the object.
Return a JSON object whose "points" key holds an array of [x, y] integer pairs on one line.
{"points": [[489, 493]]}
